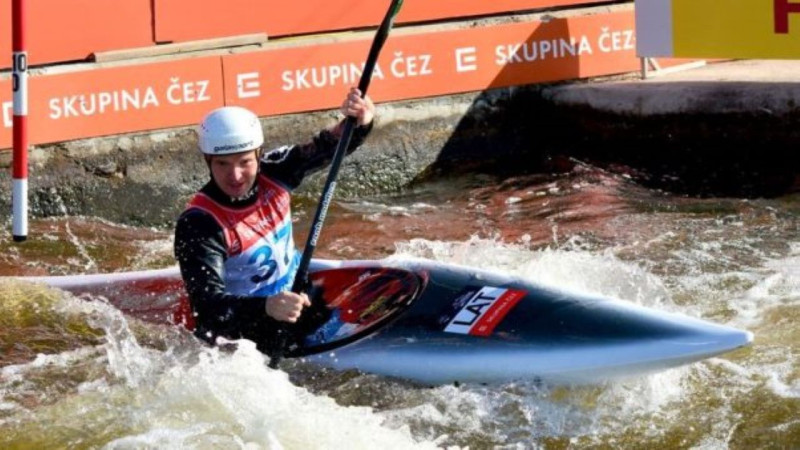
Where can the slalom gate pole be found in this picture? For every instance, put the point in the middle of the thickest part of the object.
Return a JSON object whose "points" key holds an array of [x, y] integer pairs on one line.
{"points": [[19, 86], [301, 281]]}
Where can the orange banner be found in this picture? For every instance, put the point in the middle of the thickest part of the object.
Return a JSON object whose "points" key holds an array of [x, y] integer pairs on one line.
{"points": [[435, 63], [68, 30], [119, 100], [277, 81], [71, 30], [202, 19]]}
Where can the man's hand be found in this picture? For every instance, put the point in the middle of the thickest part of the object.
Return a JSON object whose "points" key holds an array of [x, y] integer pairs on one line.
{"points": [[361, 108], [287, 306]]}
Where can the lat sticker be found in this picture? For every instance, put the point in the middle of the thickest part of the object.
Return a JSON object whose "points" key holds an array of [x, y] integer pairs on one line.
{"points": [[483, 310]]}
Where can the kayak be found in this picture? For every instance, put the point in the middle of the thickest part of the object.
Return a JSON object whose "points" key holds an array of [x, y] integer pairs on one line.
{"points": [[437, 323]]}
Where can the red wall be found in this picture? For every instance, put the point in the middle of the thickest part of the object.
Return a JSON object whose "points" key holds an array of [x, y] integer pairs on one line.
{"points": [[271, 81], [68, 30], [213, 18], [421, 62], [71, 30]]}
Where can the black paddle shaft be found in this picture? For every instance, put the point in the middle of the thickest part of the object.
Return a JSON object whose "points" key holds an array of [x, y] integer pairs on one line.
{"points": [[301, 281]]}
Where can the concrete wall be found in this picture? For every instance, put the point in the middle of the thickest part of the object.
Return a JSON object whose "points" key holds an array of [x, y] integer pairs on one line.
{"points": [[701, 145]]}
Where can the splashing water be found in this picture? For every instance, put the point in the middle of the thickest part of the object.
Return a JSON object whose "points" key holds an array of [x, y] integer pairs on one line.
{"points": [[78, 374], [89, 262], [121, 394], [565, 268]]}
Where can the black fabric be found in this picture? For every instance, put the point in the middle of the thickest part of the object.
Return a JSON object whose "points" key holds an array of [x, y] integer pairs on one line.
{"points": [[201, 252]]}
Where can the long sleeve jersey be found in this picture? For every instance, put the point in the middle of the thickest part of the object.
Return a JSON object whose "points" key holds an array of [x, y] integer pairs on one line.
{"points": [[203, 245]]}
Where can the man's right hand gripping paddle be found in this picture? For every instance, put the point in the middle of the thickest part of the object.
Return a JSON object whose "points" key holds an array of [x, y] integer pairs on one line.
{"points": [[301, 281]]}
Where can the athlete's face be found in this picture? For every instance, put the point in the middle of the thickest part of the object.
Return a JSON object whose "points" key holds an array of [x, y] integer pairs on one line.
{"points": [[235, 174]]}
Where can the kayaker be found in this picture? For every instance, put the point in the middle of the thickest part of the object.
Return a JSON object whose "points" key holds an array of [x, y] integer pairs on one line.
{"points": [[234, 241]]}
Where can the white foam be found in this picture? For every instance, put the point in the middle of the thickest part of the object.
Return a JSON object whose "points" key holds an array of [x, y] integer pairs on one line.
{"points": [[531, 412], [236, 395], [576, 270], [188, 395]]}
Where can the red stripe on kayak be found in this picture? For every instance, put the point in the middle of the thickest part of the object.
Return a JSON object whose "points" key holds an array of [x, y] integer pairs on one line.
{"points": [[495, 314]]}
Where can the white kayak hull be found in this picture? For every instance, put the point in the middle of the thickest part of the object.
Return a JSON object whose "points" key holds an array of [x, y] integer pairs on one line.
{"points": [[437, 323]]}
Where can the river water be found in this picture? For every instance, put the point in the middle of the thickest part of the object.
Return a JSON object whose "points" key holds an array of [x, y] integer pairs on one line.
{"points": [[76, 373]]}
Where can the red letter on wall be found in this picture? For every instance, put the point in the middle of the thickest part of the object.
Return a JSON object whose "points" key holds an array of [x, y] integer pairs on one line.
{"points": [[782, 10]]}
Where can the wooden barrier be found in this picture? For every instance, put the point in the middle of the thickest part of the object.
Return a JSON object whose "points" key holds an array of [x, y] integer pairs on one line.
{"points": [[245, 40]]}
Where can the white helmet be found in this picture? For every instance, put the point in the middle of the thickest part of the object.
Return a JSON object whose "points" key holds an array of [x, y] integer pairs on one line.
{"points": [[228, 130]]}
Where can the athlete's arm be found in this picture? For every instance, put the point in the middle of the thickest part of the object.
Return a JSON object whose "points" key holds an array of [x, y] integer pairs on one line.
{"points": [[290, 164]]}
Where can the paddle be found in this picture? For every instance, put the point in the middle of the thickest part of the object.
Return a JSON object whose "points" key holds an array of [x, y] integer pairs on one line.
{"points": [[301, 281]]}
